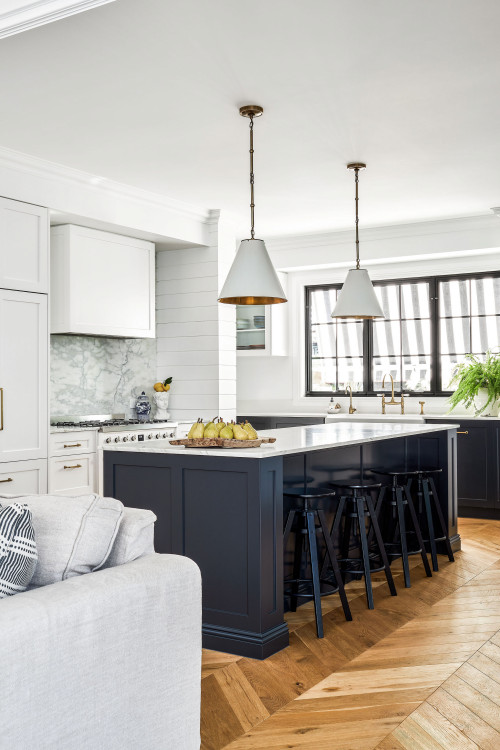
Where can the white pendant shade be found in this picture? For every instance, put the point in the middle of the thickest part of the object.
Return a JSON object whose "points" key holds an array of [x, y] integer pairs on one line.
{"points": [[357, 298], [252, 279]]}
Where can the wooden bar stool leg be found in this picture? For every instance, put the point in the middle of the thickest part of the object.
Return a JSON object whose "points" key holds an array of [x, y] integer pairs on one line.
{"points": [[439, 512], [330, 552], [313, 554], [334, 532], [381, 546], [422, 486], [297, 562], [402, 533], [360, 505], [420, 539]]}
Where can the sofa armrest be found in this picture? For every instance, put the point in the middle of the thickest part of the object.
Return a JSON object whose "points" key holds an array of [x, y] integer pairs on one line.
{"points": [[110, 659]]}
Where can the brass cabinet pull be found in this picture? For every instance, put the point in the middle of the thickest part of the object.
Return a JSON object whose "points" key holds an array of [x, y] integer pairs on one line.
{"points": [[1, 408], [6, 480], [75, 445], [463, 432], [77, 466]]}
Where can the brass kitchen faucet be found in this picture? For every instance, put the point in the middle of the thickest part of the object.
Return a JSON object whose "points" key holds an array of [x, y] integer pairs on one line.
{"points": [[392, 402]]}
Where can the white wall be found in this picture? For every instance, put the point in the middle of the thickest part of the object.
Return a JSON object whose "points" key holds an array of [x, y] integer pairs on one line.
{"points": [[196, 336], [267, 384]]}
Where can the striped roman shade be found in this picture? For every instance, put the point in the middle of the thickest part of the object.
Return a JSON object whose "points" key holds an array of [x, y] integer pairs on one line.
{"points": [[18, 555]]}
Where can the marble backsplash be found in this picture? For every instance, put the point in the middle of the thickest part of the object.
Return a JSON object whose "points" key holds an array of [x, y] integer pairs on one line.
{"points": [[98, 375]]}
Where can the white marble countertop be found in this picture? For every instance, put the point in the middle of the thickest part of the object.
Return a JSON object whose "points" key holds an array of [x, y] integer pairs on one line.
{"points": [[53, 429], [296, 439]]}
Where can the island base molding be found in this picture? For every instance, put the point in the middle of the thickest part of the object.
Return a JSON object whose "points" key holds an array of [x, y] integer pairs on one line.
{"points": [[245, 643]]}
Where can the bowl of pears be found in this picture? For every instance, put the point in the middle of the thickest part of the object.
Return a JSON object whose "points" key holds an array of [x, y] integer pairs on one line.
{"points": [[219, 434]]}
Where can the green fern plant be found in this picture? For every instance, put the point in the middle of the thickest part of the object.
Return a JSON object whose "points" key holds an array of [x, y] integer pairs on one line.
{"points": [[472, 375]]}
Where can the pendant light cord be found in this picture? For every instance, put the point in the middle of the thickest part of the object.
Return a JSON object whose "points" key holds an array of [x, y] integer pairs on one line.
{"points": [[356, 182], [252, 181]]}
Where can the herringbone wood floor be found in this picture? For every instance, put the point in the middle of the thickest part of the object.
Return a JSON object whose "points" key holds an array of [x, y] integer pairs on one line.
{"points": [[420, 672]]}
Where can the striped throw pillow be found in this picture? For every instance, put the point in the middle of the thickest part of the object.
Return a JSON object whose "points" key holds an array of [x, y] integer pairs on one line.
{"points": [[18, 555]]}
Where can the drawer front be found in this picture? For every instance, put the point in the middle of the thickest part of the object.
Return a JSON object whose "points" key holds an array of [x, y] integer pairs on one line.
{"points": [[23, 477], [72, 475], [71, 443]]}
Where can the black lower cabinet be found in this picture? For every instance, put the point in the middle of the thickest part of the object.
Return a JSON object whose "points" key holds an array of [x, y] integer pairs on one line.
{"points": [[478, 467], [276, 423]]}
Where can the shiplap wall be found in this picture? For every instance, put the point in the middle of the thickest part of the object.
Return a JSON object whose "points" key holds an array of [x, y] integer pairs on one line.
{"points": [[196, 335]]}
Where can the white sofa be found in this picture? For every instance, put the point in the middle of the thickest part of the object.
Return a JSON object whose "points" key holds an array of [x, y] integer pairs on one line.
{"points": [[108, 660]]}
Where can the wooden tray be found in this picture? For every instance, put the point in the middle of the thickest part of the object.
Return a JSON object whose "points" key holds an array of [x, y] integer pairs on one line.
{"points": [[221, 442]]}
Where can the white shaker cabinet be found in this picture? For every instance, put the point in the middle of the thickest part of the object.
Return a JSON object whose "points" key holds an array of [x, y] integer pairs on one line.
{"points": [[24, 477], [24, 246], [23, 376], [102, 284]]}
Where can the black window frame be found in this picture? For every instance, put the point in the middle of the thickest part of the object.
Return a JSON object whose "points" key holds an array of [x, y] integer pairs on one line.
{"points": [[368, 390]]}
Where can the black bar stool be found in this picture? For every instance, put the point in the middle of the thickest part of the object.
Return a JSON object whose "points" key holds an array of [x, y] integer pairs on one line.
{"points": [[305, 537], [355, 505], [400, 500], [426, 491]]}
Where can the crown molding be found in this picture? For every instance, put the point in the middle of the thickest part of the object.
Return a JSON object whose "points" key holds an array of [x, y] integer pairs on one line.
{"points": [[40, 168], [381, 233], [22, 16]]}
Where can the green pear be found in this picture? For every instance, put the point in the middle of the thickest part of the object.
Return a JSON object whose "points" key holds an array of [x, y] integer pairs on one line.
{"points": [[252, 434], [199, 430], [220, 425], [210, 431], [191, 431], [239, 432], [226, 432]]}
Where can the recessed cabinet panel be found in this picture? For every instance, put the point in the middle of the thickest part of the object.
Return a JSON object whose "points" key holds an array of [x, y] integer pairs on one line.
{"points": [[23, 477], [102, 284], [23, 376], [23, 246], [72, 475]]}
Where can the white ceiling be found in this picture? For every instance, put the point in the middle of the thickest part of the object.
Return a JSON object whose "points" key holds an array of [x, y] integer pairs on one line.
{"points": [[147, 93]]}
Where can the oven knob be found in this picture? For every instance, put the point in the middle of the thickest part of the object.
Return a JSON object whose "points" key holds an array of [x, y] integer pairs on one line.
{"points": [[117, 439], [133, 437], [172, 434], [108, 440], [125, 439], [165, 434], [150, 436], [158, 435]]}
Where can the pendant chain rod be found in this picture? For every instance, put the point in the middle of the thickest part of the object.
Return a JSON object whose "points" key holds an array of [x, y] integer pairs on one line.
{"points": [[252, 181], [356, 181]]}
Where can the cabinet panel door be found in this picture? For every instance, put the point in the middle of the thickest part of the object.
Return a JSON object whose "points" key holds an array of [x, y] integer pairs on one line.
{"points": [[23, 246], [23, 477], [23, 376], [72, 475], [473, 466]]}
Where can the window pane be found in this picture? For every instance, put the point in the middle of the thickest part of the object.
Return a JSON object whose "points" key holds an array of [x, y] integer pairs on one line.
{"points": [[386, 337], [350, 373], [323, 374], [455, 335], [485, 296], [388, 296], [322, 304], [323, 340], [386, 366], [485, 333], [448, 364], [454, 298], [350, 339], [417, 373], [416, 336], [415, 300]]}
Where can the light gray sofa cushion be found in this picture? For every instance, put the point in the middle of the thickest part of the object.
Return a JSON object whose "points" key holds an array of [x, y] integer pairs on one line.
{"points": [[74, 535], [135, 537]]}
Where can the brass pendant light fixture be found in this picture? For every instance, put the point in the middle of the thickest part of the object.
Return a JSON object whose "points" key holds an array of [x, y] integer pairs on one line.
{"points": [[357, 298], [252, 279]]}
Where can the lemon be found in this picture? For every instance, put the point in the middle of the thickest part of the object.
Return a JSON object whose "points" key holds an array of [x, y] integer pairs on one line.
{"points": [[158, 387], [166, 387]]}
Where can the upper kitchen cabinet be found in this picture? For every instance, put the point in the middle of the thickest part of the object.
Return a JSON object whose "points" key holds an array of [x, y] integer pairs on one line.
{"points": [[262, 329], [102, 284], [24, 243]]}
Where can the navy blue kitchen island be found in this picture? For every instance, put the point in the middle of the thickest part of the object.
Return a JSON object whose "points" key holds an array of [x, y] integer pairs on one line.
{"points": [[224, 509]]}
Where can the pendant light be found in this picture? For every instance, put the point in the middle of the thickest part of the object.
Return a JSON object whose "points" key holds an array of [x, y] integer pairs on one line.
{"points": [[252, 279], [357, 298]]}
